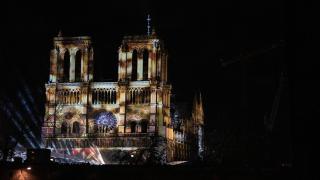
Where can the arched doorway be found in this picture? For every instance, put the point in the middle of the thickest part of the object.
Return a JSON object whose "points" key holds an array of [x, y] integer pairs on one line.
{"points": [[64, 128], [133, 126], [144, 126], [76, 127]]}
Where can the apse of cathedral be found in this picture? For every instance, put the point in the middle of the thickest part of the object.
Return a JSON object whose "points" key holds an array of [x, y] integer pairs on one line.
{"points": [[116, 122]]}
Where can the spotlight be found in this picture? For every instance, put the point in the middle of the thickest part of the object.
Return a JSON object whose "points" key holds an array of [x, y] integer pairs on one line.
{"points": [[29, 168], [51, 159], [132, 155]]}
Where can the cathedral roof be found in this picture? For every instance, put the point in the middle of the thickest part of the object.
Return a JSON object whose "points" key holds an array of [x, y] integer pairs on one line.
{"points": [[60, 38]]}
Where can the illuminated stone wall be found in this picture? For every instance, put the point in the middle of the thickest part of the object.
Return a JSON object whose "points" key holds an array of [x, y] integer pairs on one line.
{"points": [[134, 108], [97, 118]]}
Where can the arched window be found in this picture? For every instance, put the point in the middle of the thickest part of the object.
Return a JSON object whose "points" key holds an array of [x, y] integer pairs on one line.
{"points": [[134, 65], [145, 64], [133, 125], [103, 96], [76, 127], [114, 97], [66, 66], [64, 128], [111, 97], [134, 97], [78, 66], [94, 97], [107, 97], [144, 126]]}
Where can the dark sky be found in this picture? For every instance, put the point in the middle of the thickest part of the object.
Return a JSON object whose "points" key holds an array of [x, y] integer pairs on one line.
{"points": [[197, 34]]}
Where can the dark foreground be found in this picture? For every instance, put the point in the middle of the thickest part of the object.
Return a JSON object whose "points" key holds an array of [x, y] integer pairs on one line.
{"points": [[73, 172]]}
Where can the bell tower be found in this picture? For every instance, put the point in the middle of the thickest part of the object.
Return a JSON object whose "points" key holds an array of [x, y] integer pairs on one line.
{"points": [[71, 71], [71, 59], [142, 58], [143, 62]]}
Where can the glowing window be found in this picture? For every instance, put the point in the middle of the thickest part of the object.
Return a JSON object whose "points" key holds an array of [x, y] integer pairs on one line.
{"points": [[106, 119]]}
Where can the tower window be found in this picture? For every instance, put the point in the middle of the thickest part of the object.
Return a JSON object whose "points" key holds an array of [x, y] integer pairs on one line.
{"points": [[134, 66], [78, 66], [66, 66], [145, 64]]}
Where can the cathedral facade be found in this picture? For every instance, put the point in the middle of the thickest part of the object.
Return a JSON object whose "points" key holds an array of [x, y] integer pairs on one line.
{"points": [[106, 122]]}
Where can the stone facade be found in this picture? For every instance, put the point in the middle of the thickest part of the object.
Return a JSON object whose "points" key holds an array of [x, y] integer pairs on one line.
{"points": [[122, 115]]}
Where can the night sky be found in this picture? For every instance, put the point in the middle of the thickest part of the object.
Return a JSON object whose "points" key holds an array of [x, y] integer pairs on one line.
{"points": [[199, 36]]}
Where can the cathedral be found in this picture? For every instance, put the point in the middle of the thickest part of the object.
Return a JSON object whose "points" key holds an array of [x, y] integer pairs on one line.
{"points": [[115, 122]]}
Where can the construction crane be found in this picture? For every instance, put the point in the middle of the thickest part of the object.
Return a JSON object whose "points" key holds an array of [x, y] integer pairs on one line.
{"points": [[269, 121], [225, 63]]}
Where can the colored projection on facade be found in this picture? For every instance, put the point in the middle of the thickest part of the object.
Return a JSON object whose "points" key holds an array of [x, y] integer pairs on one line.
{"points": [[101, 122]]}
